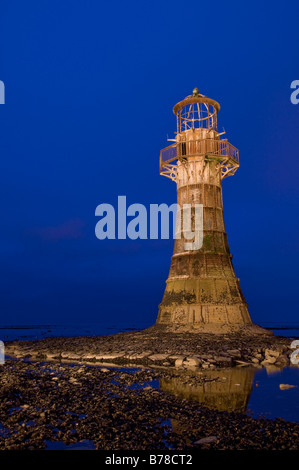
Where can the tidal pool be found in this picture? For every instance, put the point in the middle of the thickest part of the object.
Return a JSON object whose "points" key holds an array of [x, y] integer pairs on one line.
{"points": [[249, 390]]}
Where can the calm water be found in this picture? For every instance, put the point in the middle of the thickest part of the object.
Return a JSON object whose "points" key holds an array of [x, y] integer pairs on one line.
{"points": [[247, 389], [269, 401], [31, 332]]}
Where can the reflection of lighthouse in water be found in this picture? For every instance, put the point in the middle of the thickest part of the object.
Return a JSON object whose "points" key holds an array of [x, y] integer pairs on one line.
{"points": [[222, 389], [202, 289]]}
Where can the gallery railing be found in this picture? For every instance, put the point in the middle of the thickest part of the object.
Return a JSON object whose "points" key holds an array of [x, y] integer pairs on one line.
{"points": [[212, 147]]}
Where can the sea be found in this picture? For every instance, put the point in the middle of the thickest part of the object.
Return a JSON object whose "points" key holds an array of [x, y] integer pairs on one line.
{"points": [[10, 332]]}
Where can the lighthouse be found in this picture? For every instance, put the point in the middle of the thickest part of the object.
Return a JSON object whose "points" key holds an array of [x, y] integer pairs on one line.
{"points": [[202, 290]]}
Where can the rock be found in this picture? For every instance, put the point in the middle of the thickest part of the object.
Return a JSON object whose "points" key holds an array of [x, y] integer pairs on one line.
{"points": [[206, 440], [158, 357], [109, 357], [286, 386], [257, 355], [243, 363], [65, 355], [141, 355], [191, 362], [206, 356], [283, 360], [88, 357], [223, 359], [51, 356], [234, 352], [147, 353], [271, 353], [74, 381], [75, 357], [178, 362]]}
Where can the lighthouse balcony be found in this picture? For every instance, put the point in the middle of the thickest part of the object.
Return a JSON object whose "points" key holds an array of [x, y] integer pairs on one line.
{"points": [[220, 149]]}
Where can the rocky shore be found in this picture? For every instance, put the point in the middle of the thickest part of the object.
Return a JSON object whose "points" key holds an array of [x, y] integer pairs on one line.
{"points": [[55, 405], [153, 347], [165, 391]]}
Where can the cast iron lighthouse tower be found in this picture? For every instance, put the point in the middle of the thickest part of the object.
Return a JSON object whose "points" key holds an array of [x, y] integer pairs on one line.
{"points": [[202, 291]]}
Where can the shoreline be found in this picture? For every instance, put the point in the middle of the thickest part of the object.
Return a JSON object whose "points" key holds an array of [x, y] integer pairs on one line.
{"points": [[54, 405], [84, 392], [152, 347]]}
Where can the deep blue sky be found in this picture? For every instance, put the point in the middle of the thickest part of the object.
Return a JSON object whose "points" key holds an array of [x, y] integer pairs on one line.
{"points": [[90, 87]]}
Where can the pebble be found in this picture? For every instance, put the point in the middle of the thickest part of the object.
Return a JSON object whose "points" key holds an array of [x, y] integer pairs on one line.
{"points": [[206, 440], [127, 409]]}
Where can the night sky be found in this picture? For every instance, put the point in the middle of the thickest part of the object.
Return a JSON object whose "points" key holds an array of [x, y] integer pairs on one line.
{"points": [[90, 88]]}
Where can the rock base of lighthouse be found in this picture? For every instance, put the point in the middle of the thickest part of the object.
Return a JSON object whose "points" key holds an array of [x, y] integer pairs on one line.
{"points": [[211, 328]]}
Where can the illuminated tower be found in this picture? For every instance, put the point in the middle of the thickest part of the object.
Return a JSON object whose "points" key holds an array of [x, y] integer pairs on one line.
{"points": [[202, 290]]}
